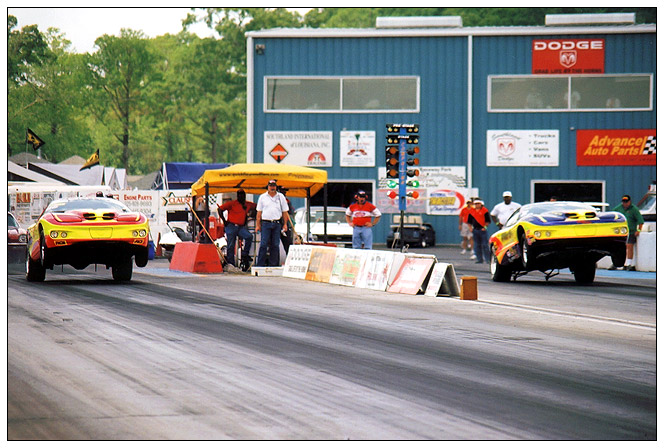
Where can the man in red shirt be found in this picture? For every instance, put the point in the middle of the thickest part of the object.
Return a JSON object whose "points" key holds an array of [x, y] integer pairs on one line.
{"points": [[362, 216], [465, 229], [480, 219], [236, 225]]}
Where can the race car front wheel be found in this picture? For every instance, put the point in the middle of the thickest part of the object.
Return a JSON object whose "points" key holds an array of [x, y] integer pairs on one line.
{"points": [[34, 271]]}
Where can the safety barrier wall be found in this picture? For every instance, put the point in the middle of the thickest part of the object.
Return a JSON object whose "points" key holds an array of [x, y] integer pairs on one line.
{"points": [[407, 273]]}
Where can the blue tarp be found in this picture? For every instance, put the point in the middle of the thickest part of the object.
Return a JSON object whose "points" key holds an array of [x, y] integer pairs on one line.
{"points": [[181, 175]]}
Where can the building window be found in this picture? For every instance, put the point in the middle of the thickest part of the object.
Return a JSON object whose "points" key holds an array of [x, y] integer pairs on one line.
{"points": [[342, 94], [612, 92], [568, 93], [290, 94], [380, 94]]}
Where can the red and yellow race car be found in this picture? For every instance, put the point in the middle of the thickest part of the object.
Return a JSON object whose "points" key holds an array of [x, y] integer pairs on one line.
{"points": [[87, 230], [548, 236]]}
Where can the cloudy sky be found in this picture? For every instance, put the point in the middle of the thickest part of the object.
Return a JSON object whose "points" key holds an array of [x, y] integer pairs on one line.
{"points": [[83, 25]]}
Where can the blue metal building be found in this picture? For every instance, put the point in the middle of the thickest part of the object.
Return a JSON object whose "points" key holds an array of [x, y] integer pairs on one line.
{"points": [[566, 109]]}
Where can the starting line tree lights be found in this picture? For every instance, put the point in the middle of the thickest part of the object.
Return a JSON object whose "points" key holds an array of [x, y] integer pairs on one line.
{"points": [[400, 158]]}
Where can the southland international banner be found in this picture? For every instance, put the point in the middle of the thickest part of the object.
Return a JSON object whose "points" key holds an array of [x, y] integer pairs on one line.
{"points": [[302, 148], [616, 147]]}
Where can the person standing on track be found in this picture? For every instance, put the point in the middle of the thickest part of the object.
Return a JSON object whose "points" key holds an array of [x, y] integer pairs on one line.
{"points": [[271, 220], [362, 216]]}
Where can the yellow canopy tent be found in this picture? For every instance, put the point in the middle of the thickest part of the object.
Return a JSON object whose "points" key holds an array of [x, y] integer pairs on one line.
{"points": [[253, 177], [301, 182]]}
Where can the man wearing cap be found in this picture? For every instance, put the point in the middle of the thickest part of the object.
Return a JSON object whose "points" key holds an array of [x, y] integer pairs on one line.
{"points": [[236, 225], [479, 218], [271, 220], [465, 229], [362, 216], [634, 225], [504, 210]]}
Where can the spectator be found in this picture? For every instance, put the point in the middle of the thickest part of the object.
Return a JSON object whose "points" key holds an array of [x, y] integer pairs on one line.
{"points": [[634, 225], [236, 226], [362, 216], [465, 230], [479, 218], [271, 219], [504, 210]]}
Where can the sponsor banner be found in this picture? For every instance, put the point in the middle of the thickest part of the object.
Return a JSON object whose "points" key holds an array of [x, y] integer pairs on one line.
{"points": [[375, 270], [146, 202], [522, 148], [561, 56], [443, 281], [436, 184], [303, 148], [297, 261], [616, 147], [347, 265], [320, 264], [357, 148], [412, 275]]}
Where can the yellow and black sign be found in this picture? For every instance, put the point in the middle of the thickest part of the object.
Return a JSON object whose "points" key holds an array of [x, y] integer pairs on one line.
{"points": [[36, 142], [92, 161]]}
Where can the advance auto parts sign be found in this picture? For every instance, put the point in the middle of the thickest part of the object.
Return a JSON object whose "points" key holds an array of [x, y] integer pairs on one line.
{"points": [[302, 148], [616, 147]]}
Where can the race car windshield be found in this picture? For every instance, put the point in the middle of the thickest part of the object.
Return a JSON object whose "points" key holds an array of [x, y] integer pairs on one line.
{"points": [[87, 204]]}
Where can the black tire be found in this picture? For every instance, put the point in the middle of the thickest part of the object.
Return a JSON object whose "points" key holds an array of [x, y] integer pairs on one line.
{"points": [[499, 273], [141, 258], [523, 250], [584, 273], [34, 271], [618, 259], [122, 270]]}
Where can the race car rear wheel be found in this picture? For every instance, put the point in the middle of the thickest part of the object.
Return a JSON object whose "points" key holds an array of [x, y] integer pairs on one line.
{"points": [[499, 273], [584, 272], [122, 270]]}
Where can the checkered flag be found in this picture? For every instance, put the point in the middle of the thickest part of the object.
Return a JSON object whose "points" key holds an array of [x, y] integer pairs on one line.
{"points": [[651, 145]]}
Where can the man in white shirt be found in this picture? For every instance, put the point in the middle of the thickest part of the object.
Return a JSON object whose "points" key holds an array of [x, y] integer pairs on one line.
{"points": [[271, 220], [504, 210]]}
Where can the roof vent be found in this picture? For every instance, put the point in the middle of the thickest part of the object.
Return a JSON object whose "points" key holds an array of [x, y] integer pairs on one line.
{"points": [[419, 22], [627, 18]]}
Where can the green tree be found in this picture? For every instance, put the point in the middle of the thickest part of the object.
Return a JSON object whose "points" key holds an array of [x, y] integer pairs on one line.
{"points": [[120, 72]]}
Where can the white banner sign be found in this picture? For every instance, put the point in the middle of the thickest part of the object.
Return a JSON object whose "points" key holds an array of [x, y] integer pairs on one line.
{"points": [[303, 148], [522, 148], [357, 148]]}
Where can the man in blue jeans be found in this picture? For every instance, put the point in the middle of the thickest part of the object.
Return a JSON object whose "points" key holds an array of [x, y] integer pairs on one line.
{"points": [[480, 218], [271, 220], [236, 225]]}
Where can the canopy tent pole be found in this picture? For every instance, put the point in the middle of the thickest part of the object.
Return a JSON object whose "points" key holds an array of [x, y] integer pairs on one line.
{"points": [[308, 213], [325, 213]]}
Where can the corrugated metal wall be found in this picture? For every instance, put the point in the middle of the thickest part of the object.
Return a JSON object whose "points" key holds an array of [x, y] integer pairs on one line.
{"points": [[498, 55], [441, 64]]}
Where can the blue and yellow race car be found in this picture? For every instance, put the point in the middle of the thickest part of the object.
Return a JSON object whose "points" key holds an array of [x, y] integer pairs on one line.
{"points": [[549, 236], [87, 230]]}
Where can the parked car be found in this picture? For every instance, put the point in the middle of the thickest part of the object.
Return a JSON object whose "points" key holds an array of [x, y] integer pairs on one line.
{"points": [[415, 232], [339, 232], [548, 236], [82, 231], [17, 239]]}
